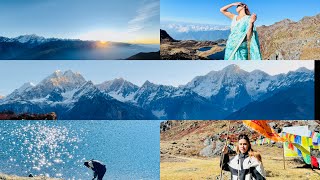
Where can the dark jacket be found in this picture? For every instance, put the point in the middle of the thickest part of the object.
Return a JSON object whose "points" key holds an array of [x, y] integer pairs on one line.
{"points": [[98, 168], [243, 167]]}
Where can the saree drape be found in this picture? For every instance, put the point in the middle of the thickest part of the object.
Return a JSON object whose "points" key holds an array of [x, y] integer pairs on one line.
{"points": [[236, 48]]}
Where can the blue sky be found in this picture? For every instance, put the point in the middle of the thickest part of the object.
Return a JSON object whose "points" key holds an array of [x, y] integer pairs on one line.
{"points": [[114, 20], [208, 11], [14, 74]]}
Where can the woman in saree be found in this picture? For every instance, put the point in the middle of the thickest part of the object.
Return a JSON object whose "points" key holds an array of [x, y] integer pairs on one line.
{"points": [[243, 32]]}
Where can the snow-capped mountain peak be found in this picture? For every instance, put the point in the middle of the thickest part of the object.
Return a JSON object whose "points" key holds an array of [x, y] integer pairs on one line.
{"points": [[87, 89], [147, 83], [67, 79], [231, 68], [18, 92], [119, 89], [5, 39], [258, 73], [32, 38], [111, 85], [303, 69], [25, 87]]}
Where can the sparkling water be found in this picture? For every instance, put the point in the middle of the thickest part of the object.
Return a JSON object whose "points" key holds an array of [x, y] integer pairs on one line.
{"points": [[130, 149]]}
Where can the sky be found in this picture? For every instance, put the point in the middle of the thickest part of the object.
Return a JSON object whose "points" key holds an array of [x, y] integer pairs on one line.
{"points": [[13, 74], [208, 11], [105, 20]]}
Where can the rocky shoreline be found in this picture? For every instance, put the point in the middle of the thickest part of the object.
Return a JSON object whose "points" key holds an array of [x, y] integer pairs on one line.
{"points": [[171, 49], [9, 115], [14, 177]]}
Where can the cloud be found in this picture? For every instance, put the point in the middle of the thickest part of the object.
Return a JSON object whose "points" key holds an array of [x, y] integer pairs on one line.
{"points": [[186, 27], [148, 10]]}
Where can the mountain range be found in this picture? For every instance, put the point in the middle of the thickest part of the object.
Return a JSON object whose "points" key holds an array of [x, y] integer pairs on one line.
{"points": [[195, 31], [230, 93], [27, 47]]}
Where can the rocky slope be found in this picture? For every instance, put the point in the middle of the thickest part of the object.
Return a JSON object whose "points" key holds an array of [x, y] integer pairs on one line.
{"points": [[171, 49], [291, 40], [145, 56], [196, 138]]}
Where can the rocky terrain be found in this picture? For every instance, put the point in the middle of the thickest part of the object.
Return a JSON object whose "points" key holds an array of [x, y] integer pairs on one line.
{"points": [[26, 116], [145, 56], [192, 138], [289, 40], [171, 49], [191, 149], [284, 40]]}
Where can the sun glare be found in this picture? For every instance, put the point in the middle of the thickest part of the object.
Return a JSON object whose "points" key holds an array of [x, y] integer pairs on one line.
{"points": [[102, 44]]}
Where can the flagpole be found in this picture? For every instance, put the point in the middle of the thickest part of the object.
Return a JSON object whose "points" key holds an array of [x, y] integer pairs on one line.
{"points": [[223, 152], [284, 161]]}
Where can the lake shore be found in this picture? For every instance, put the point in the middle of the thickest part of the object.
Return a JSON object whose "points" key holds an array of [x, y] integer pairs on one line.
{"points": [[14, 177]]}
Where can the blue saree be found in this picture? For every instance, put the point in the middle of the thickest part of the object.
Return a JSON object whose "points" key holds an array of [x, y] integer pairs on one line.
{"points": [[237, 48]]}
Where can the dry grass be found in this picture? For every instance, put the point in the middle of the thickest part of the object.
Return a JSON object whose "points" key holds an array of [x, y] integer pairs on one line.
{"points": [[310, 53], [198, 168]]}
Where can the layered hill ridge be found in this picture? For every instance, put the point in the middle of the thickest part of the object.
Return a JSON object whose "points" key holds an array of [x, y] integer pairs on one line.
{"points": [[216, 95], [28, 47]]}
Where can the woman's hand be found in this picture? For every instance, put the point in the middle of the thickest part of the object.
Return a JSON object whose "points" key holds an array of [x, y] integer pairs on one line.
{"points": [[225, 150], [253, 18], [224, 10], [236, 3]]}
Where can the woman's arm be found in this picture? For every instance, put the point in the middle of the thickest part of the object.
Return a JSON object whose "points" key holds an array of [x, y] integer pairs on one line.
{"points": [[224, 10], [251, 25]]}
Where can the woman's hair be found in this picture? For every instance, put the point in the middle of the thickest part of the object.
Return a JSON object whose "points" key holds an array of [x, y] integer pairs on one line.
{"points": [[250, 151], [258, 156], [86, 164], [245, 137], [246, 9]]}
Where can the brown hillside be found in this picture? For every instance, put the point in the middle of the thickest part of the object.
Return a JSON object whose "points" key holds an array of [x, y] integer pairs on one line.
{"points": [[291, 40]]}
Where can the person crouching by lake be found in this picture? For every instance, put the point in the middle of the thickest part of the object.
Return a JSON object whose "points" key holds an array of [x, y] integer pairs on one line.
{"points": [[246, 165], [98, 168]]}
